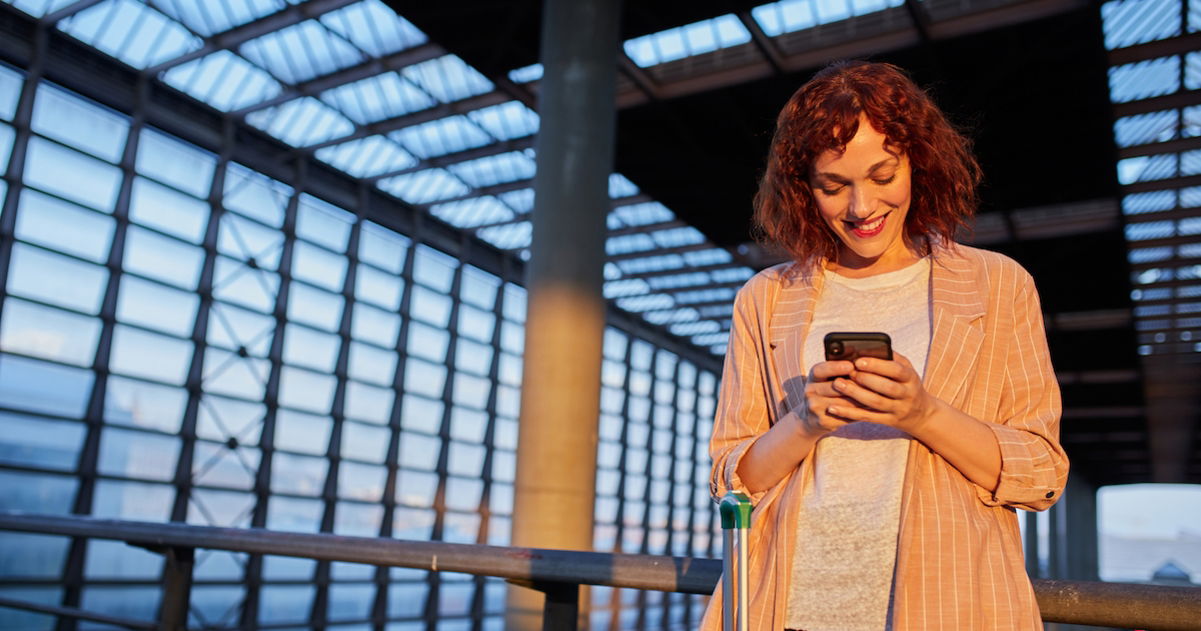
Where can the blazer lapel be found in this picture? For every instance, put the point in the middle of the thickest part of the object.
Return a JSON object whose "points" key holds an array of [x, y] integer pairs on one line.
{"points": [[958, 305]]}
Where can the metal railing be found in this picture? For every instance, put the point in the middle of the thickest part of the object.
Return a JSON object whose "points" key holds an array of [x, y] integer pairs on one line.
{"points": [[558, 573]]}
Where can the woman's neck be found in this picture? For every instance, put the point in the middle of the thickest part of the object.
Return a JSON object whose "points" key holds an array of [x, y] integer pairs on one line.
{"points": [[847, 264]]}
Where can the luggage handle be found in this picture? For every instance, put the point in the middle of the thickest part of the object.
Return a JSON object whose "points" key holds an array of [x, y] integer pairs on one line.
{"points": [[735, 509]]}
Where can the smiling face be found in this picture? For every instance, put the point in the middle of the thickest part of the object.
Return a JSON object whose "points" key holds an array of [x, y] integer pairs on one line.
{"points": [[863, 194]]}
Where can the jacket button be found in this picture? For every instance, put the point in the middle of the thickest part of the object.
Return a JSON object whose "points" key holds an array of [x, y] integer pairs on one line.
{"points": [[1050, 494]]}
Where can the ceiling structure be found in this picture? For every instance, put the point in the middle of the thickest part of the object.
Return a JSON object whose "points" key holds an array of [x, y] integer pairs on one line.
{"points": [[435, 104]]}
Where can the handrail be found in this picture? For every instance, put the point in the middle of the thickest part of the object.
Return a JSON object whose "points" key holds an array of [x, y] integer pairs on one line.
{"points": [[1151, 607]]}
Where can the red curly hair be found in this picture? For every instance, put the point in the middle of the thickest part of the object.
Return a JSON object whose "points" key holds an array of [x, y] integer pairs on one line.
{"points": [[824, 115]]}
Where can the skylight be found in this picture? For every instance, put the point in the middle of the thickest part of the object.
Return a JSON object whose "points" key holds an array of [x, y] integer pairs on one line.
{"points": [[424, 187], [301, 122], [788, 16], [506, 167], [470, 213], [367, 157], [376, 98], [447, 78], [39, 8], [507, 120], [300, 52], [207, 18], [223, 80], [508, 237], [131, 32], [442, 136], [374, 28], [685, 41]]}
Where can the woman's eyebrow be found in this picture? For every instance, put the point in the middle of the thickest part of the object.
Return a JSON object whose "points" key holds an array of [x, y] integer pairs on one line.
{"points": [[875, 167], [893, 161]]}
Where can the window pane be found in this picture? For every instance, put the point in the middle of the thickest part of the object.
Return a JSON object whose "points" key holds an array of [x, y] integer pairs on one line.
{"points": [[226, 373], [232, 327], [39, 442], [302, 433], [376, 287], [154, 306], [434, 269], [306, 390], [72, 175], [10, 91], [56, 279], [314, 306], [137, 501], [160, 207], [50, 333], [175, 162], [357, 520], [323, 223], [422, 414], [364, 442], [371, 364], [31, 555], [431, 307], [294, 515], [162, 258], [72, 120], [117, 560], [361, 481], [63, 226], [134, 454], [7, 136], [149, 355], [424, 378], [374, 325], [218, 465], [382, 247], [222, 418], [255, 195], [141, 404], [318, 266], [369, 403], [309, 348], [38, 386], [246, 240], [299, 475], [419, 452], [37, 492], [243, 285], [227, 509]]}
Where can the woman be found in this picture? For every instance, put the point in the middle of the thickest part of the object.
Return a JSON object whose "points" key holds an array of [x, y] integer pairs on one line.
{"points": [[884, 491]]}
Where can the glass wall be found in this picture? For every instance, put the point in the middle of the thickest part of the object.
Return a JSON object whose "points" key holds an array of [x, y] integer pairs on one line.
{"points": [[183, 338]]}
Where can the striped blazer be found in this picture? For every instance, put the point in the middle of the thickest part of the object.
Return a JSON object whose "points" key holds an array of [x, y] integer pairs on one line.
{"points": [[959, 553]]}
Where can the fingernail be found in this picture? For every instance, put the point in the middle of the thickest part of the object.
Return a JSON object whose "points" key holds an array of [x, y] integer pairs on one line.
{"points": [[861, 363]]}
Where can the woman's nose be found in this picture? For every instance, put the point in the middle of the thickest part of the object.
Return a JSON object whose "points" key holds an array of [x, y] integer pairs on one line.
{"points": [[860, 203]]}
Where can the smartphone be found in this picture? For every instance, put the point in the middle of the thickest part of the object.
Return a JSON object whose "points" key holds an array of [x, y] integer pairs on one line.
{"points": [[851, 346]]}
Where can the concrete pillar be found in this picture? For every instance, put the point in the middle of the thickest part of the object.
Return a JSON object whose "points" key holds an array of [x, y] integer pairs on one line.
{"points": [[560, 398]]}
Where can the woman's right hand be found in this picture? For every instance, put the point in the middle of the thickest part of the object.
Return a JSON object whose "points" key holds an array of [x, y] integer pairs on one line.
{"points": [[820, 395]]}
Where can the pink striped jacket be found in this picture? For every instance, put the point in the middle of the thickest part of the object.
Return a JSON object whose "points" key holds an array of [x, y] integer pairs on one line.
{"points": [[959, 555]]}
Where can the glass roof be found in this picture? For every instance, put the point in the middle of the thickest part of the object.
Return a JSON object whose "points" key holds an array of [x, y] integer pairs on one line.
{"points": [[436, 133], [442, 137], [1163, 234]]}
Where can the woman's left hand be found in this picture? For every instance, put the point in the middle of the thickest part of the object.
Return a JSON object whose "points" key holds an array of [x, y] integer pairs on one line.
{"points": [[888, 392]]}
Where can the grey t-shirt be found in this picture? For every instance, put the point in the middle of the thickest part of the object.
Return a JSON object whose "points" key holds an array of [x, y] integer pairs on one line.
{"points": [[850, 507]]}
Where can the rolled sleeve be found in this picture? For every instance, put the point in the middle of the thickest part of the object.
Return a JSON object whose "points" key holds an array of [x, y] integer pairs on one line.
{"points": [[1034, 466]]}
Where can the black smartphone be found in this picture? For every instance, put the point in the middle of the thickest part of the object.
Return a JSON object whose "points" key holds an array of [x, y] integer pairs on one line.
{"points": [[851, 346]]}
